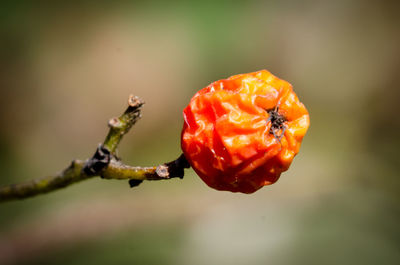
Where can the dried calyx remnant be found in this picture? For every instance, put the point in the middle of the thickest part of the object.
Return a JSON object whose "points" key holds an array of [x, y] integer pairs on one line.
{"points": [[104, 163], [277, 123]]}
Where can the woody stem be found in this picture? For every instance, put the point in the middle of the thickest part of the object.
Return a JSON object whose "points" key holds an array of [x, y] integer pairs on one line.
{"points": [[103, 163]]}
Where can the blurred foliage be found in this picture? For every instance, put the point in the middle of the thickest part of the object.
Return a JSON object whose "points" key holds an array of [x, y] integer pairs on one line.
{"points": [[65, 68]]}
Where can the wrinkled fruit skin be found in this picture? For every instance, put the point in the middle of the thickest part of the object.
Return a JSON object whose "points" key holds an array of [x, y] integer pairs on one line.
{"points": [[241, 133]]}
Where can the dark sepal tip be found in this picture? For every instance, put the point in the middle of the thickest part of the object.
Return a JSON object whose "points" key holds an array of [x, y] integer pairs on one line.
{"points": [[134, 182]]}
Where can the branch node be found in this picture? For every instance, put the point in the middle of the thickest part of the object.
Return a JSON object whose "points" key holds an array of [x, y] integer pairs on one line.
{"points": [[115, 123], [173, 169], [98, 162], [162, 171]]}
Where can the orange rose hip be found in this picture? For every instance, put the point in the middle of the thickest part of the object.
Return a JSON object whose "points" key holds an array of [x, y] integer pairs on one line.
{"points": [[241, 133]]}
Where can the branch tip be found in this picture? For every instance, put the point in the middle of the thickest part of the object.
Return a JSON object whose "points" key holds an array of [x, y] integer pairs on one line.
{"points": [[134, 101]]}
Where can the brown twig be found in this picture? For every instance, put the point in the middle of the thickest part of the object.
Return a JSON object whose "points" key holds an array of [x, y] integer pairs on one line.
{"points": [[104, 163]]}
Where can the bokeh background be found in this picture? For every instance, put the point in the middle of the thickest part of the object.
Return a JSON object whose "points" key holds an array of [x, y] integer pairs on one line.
{"points": [[66, 68]]}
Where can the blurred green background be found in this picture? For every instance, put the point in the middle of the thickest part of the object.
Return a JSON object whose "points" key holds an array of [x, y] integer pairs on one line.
{"points": [[65, 69]]}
